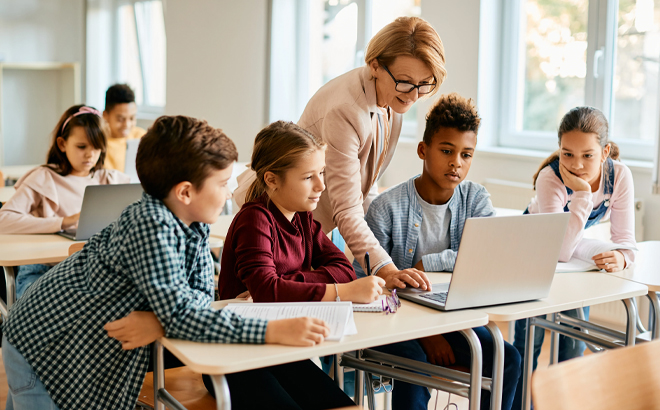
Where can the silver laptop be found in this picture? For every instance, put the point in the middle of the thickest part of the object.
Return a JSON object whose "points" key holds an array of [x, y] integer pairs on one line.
{"points": [[102, 205], [500, 260], [129, 164]]}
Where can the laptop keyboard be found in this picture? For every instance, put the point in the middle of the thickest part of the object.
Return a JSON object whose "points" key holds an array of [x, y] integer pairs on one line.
{"points": [[436, 297]]}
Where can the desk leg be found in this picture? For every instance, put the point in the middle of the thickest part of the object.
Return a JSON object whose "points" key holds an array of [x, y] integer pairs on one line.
{"points": [[528, 360], [359, 387], [554, 343], [10, 282], [632, 321], [498, 366], [655, 305], [222, 398], [159, 373], [476, 368]]}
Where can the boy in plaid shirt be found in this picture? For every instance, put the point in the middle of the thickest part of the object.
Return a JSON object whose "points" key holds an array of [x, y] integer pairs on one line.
{"points": [[155, 257]]}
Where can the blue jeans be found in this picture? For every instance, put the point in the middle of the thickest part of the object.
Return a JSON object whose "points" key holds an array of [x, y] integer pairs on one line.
{"points": [[414, 397], [27, 275], [569, 348], [26, 392]]}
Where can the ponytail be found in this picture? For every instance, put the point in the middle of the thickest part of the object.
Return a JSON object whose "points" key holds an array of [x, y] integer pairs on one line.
{"points": [[553, 157]]}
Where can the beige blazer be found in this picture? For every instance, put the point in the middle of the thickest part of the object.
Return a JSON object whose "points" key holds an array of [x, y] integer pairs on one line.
{"points": [[343, 114]]}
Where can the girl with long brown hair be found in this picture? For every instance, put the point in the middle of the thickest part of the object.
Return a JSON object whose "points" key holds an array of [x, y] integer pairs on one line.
{"points": [[584, 178]]}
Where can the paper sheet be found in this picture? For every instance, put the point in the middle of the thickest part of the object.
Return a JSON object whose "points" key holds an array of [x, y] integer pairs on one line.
{"points": [[585, 250], [337, 315]]}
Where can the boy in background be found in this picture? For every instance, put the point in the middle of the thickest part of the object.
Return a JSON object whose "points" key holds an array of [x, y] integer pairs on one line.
{"points": [[420, 223], [120, 114]]}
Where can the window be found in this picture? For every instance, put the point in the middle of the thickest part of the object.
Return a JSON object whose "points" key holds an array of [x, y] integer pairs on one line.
{"points": [[126, 44], [314, 41], [141, 52], [559, 54]]}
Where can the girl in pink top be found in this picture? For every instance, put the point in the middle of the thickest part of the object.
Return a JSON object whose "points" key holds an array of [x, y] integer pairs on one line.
{"points": [[585, 178], [48, 198]]}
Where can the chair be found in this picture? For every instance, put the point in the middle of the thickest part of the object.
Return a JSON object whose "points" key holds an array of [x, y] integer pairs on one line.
{"points": [[625, 378], [2, 179]]}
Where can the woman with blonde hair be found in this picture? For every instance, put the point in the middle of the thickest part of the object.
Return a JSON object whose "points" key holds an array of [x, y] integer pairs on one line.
{"points": [[359, 116]]}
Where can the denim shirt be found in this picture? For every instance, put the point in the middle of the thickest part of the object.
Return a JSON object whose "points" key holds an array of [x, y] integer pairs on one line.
{"points": [[395, 218]]}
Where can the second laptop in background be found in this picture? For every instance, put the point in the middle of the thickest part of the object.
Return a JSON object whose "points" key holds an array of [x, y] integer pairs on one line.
{"points": [[500, 260], [102, 205]]}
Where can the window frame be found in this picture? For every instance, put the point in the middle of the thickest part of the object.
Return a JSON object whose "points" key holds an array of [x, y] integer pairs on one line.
{"points": [[602, 29], [145, 111]]}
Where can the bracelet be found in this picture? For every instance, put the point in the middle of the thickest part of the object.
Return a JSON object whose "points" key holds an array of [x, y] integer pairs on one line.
{"points": [[337, 291]]}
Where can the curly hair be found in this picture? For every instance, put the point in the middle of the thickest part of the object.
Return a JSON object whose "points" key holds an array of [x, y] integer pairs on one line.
{"points": [[177, 149], [451, 111]]}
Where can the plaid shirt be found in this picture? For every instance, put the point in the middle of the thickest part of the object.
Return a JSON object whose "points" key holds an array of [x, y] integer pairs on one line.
{"points": [[146, 260]]}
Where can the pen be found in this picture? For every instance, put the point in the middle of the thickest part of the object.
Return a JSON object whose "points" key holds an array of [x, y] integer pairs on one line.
{"points": [[367, 264]]}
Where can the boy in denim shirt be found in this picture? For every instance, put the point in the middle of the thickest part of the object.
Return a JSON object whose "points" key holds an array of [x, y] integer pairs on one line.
{"points": [[155, 257], [420, 223]]}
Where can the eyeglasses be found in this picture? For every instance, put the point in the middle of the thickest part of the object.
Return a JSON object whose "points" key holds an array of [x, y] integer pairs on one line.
{"points": [[391, 303], [406, 87]]}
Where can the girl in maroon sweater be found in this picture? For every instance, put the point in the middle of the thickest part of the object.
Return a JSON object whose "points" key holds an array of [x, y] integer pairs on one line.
{"points": [[274, 248]]}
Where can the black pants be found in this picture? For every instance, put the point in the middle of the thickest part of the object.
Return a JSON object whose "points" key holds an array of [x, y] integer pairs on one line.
{"points": [[295, 386]]}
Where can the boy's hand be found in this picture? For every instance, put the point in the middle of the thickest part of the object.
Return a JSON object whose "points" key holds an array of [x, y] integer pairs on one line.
{"points": [[363, 290], [135, 330], [395, 278], [611, 261], [438, 350], [573, 181], [300, 331], [419, 266], [70, 221]]}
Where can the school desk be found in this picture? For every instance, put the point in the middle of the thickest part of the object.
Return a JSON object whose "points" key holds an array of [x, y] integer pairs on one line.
{"points": [[17, 250], [568, 291], [646, 271], [410, 322], [15, 172]]}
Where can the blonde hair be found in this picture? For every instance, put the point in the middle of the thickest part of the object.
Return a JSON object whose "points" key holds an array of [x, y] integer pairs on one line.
{"points": [[278, 148], [584, 119], [409, 36]]}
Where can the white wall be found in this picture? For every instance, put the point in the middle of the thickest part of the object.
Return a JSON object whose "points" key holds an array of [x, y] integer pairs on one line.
{"points": [[217, 65], [43, 30]]}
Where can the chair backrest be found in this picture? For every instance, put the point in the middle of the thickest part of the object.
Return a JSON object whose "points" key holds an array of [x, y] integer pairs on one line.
{"points": [[76, 247], [626, 378], [2, 179]]}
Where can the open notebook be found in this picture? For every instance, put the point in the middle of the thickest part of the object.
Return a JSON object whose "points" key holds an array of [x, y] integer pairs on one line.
{"points": [[377, 305], [587, 248], [337, 315]]}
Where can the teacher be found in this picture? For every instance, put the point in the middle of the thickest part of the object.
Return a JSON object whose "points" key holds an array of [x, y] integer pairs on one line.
{"points": [[359, 116]]}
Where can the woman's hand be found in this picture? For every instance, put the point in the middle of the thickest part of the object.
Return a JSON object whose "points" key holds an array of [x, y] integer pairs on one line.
{"points": [[70, 221], [245, 295], [438, 351], [572, 181], [363, 290], [135, 330], [300, 331], [395, 278], [611, 261]]}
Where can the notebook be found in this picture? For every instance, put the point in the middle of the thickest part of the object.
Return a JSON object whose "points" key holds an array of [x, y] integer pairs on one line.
{"points": [[587, 248], [377, 305], [102, 205], [500, 260], [337, 315]]}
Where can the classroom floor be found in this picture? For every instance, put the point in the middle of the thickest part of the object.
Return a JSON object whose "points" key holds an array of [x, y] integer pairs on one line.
{"points": [[442, 397]]}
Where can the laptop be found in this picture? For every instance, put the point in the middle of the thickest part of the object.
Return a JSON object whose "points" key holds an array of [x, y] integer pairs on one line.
{"points": [[500, 260], [102, 205], [129, 164]]}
